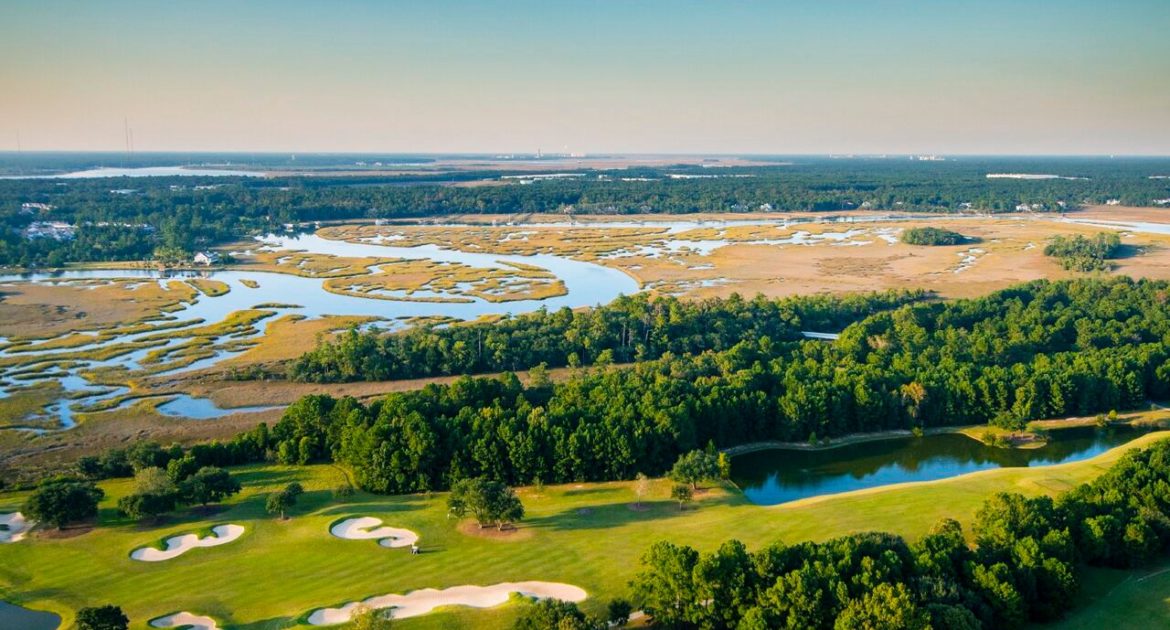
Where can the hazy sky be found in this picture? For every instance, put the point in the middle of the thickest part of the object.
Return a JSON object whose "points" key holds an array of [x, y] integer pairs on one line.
{"points": [[864, 76]]}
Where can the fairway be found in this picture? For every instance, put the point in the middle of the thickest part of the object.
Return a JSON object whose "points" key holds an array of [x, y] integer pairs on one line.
{"points": [[1123, 600], [586, 535]]}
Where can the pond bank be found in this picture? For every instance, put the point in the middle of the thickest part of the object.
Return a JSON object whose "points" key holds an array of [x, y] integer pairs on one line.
{"points": [[971, 430]]}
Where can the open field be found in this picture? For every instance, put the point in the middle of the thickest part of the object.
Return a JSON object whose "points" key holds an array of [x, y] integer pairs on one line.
{"points": [[585, 534]]}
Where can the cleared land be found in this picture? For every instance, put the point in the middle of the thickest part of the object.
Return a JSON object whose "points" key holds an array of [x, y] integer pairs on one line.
{"points": [[587, 535]]}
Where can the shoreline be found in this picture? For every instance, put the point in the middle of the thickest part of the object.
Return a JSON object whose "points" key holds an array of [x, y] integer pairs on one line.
{"points": [[965, 430]]}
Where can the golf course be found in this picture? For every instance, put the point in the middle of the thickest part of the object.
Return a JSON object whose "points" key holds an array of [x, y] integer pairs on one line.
{"points": [[586, 535]]}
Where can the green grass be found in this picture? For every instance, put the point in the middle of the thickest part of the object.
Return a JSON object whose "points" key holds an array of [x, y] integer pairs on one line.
{"points": [[586, 535], [1122, 600]]}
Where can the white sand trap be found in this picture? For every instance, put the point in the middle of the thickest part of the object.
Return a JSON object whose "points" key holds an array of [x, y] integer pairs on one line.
{"points": [[15, 527], [367, 528], [185, 620], [425, 600], [179, 545]]}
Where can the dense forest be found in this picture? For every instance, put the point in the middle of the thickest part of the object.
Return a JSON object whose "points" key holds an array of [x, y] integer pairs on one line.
{"points": [[128, 218], [630, 328], [1025, 565], [1040, 350]]}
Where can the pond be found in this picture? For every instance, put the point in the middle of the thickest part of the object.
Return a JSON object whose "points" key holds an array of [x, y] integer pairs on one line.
{"points": [[13, 616], [777, 476]]}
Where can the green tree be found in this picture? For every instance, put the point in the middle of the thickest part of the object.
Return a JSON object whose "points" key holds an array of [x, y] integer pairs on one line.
{"points": [[153, 480], [682, 493], [108, 617], [489, 501], [694, 467], [665, 587], [281, 502], [886, 606], [554, 614], [725, 583], [143, 506], [618, 611], [181, 468], [59, 503], [209, 485]]}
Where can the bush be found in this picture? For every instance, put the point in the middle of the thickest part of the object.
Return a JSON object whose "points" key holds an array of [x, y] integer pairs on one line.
{"points": [[931, 236], [554, 614], [619, 612], [108, 617]]}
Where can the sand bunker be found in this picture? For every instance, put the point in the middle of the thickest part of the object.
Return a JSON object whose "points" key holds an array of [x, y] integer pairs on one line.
{"points": [[425, 600], [185, 620], [14, 527], [367, 528], [179, 545]]}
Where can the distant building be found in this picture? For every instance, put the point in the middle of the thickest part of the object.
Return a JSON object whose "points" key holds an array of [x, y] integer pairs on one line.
{"points": [[32, 207], [206, 258], [56, 230], [1113, 202]]}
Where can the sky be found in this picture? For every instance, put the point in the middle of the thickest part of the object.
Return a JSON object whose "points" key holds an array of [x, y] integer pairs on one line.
{"points": [[588, 76]]}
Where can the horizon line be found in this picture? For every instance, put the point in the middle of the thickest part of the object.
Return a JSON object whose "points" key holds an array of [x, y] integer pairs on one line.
{"points": [[582, 156]]}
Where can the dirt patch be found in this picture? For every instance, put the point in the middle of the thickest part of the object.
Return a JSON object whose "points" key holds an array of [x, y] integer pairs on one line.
{"points": [[513, 533], [864, 267]]}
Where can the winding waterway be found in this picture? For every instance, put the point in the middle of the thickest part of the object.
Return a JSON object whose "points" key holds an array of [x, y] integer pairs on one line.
{"points": [[586, 284], [775, 476]]}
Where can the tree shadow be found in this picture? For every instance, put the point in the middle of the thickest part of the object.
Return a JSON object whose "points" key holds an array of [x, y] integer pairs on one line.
{"points": [[610, 515], [580, 492], [274, 623], [1126, 250], [268, 476], [374, 508]]}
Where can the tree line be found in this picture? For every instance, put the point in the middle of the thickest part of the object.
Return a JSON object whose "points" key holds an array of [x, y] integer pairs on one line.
{"points": [[628, 329], [1039, 350], [189, 213]]}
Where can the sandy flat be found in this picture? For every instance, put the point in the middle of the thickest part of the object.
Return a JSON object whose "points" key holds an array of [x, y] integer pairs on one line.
{"points": [[369, 528], [185, 620], [425, 600], [17, 527], [179, 545]]}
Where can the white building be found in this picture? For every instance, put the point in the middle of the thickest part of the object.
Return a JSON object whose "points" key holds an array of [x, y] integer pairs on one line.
{"points": [[32, 207], [57, 230], [206, 258]]}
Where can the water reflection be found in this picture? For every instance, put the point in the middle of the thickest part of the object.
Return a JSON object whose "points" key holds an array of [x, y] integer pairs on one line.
{"points": [[13, 616], [782, 475]]}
